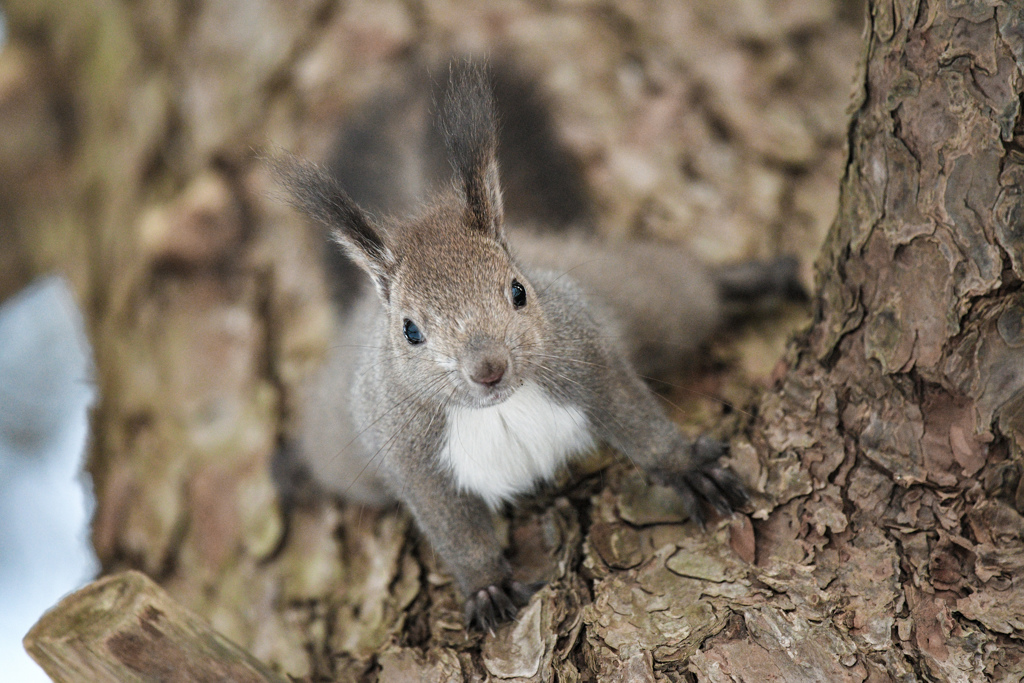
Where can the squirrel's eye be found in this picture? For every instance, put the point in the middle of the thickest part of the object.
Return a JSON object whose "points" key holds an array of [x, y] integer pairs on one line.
{"points": [[412, 333], [518, 294]]}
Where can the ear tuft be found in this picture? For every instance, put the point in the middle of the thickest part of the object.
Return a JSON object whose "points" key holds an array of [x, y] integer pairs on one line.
{"points": [[469, 126], [313, 190]]}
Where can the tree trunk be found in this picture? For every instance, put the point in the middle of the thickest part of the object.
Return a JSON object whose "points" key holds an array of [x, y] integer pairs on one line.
{"points": [[893, 442], [886, 540]]}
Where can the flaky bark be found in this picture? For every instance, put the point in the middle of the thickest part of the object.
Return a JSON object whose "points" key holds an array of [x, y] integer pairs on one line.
{"points": [[894, 440], [886, 538]]}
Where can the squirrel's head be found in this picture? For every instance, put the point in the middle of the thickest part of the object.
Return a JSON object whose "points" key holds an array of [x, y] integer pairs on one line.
{"points": [[463, 319]]}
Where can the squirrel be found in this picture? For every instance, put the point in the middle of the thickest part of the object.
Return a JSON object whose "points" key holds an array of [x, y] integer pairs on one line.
{"points": [[484, 359]]}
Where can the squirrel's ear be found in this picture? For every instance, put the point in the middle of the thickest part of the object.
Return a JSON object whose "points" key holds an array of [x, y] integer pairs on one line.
{"points": [[470, 135], [316, 193]]}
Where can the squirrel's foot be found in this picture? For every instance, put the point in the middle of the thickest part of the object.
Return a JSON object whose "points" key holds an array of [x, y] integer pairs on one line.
{"points": [[495, 604], [706, 482]]}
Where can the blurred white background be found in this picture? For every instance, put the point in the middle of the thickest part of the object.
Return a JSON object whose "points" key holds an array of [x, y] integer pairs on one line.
{"points": [[45, 500]]}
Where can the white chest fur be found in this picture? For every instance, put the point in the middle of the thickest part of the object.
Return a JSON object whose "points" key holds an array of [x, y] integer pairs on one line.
{"points": [[500, 451]]}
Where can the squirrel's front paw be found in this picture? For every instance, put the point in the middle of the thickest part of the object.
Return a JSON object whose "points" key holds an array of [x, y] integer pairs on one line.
{"points": [[497, 603], [706, 481]]}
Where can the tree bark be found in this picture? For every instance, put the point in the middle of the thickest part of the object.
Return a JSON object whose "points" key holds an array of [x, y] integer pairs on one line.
{"points": [[900, 417], [886, 539]]}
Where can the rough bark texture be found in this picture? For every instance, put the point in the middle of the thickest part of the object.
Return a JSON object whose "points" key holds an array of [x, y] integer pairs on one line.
{"points": [[886, 539], [896, 527]]}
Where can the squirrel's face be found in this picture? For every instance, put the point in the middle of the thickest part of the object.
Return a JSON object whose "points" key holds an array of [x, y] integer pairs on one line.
{"points": [[463, 320], [465, 326]]}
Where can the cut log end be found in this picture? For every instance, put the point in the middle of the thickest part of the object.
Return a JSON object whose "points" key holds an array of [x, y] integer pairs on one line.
{"points": [[126, 628]]}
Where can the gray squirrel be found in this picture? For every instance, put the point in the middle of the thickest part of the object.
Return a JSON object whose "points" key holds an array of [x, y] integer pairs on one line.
{"points": [[484, 359]]}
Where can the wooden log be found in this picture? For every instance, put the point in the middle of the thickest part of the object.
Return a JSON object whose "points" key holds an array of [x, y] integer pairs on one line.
{"points": [[126, 628]]}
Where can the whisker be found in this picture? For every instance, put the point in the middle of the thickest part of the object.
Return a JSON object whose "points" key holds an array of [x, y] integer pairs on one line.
{"points": [[601, 422], [393, 438], [567, 272], [651, 379], [380, 417]]}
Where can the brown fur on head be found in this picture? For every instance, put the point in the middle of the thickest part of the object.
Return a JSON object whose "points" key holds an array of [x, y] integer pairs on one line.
{"points": [[461, 315], [458, 291]]}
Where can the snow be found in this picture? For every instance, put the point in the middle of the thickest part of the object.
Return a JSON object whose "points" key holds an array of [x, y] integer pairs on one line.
{"points": [[45, 500]]}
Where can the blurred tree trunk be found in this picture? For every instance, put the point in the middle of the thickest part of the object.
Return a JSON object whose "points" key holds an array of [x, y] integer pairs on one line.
{"points": [[887, 541]]}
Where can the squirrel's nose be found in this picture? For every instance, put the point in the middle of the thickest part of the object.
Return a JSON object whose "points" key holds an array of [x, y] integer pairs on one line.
{"points": [[489, 371]]}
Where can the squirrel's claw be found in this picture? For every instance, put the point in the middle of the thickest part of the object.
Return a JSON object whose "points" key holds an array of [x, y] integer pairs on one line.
{"points": [[495, 604], [706, 483], [730, 486]]}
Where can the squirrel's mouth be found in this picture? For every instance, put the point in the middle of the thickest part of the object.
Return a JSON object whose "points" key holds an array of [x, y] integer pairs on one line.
{"points": [[493, 396]]}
